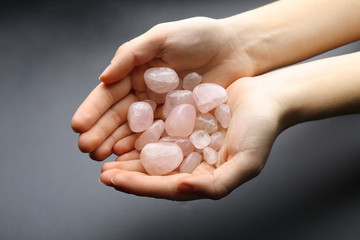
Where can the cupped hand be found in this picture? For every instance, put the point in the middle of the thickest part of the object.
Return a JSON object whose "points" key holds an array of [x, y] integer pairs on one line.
{"points": [[255, 124], [203, 45]]}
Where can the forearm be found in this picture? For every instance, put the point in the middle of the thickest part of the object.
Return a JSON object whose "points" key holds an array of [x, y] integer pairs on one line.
{"points": [[289, 31], [318, 89]]}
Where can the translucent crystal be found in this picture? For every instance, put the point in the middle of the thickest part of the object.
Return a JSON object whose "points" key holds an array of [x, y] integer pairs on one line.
{"points": [[223, 115], [200, 139], [181, 120], [151, 135], [159, 98], [161, 79], [210, 155], [190, 162], [140, 116], [191, 80], [208, 96], [207, 122], [152, 103], [217, 140], [161, 158], [186, 145], [177, 97]]}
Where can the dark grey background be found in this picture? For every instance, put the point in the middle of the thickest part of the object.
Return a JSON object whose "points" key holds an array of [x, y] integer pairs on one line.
{"points": [[51, 54]]}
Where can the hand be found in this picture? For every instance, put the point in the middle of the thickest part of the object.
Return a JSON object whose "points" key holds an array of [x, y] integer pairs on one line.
{"points": [[254, 126], [206, 46]]}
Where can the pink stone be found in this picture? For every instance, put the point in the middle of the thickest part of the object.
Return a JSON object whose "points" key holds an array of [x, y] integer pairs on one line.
{"points": [[168, 139], [217, 140], [140, 116], [161, 79], [191, 80], [158, 98], [181, 120], [186, 145], [151, 135], [207, 122], [200, 139], [177, 97], [190, 162], [223, 115], [210, 155], [208, 96], [152, 103], [161, 158]]}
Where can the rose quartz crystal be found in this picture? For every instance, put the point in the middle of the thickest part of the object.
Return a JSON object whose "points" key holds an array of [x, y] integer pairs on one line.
{"points": [[186, 145], [140, 116], [161, 158], [210, 155], [177, 97], [158, 98], [191, 80], [181, 120], [208, 96], [223, 115], [152, 103], [151, 135], [207, 122], [190, 162], [161, 79], [200, 139], [217, 140]]}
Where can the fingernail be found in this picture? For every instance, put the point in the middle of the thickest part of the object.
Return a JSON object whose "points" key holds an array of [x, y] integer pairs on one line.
{"points": [[186, 188], [104, 72]]}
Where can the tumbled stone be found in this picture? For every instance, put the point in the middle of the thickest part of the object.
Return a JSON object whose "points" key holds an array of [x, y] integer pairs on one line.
{"points": [[208, 96], [181, 120], [223, 115], [207, 122], [159, 98], [140, 116], [210, 155], [200, 139], [177, 97], [151, 135], [168, 139], [217, 140], [191, 80], [190, 162], [161, 158], [186, 145], [161, 79]]}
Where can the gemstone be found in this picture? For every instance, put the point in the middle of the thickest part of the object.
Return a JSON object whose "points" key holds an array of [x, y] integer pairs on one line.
{"points": [[191, 80], [140, 116], [207, 122], [190, 162], [208, 96], [181, 120], [200, 139], [223, 115], [161, 79], [151, 135], [158, 98], [161, 158], [217, 140], [186, 145], [152, 103], [210, 155], [177, 97]]}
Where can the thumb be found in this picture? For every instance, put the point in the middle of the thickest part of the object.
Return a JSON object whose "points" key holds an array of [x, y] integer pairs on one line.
{"points": [[133, 53]]}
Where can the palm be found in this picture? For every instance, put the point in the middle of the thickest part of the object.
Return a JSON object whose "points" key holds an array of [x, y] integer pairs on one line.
{"points": [[252, 131]]}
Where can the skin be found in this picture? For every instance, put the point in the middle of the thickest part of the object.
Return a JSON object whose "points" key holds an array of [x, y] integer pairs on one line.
{"points": [[229, 52]]}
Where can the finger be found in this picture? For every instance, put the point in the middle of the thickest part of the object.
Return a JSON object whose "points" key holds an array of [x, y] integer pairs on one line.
{"points": [[134, 154], [125, 145], [130, 165], [107, 124], [105, 149], [133, 53], [142, 184], [97, 103]]}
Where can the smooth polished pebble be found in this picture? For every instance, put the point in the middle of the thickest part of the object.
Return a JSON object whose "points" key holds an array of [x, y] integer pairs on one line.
{"points": [[161, 158], [191, 80], [223, 115], [190, 162], [208, 96], [140, 116], [151, 135], [207, 122], [181, 121], [161, 79], [177, 97], [200, 139], [210, 155]]}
